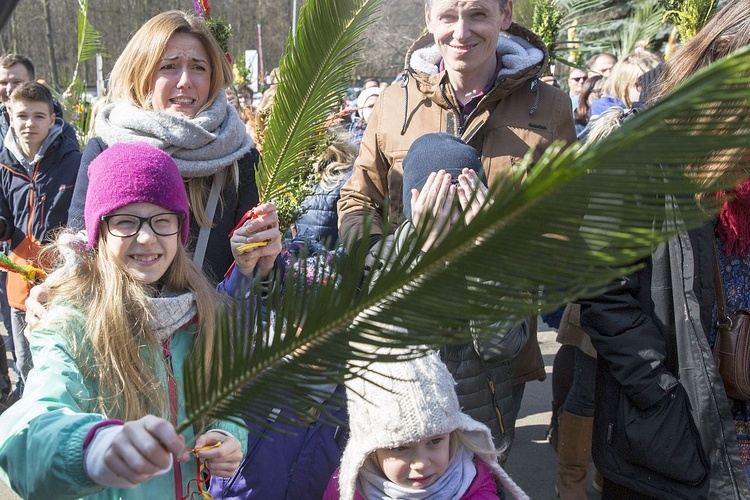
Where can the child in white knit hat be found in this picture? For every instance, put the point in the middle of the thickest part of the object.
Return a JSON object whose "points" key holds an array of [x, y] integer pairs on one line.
{"points": [[409, 439]]}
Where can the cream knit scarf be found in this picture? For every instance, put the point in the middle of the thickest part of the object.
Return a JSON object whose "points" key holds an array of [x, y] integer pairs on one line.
{"points": [[201, 146], [169, 312]]}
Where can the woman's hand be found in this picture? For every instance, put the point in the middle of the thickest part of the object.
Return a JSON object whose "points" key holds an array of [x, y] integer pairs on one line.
{"points": [[263, 228], [144, 448], [435, 204], [35, 305], [223, 460]]}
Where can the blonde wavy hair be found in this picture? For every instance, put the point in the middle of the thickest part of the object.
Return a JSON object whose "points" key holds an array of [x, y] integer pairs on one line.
{"points": [[335, 160], [131, 75], [118, 325], [625, 73]]}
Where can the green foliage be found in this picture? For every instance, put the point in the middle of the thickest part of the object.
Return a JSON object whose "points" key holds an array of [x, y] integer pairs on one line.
{"points": [[313, 76], [89, 43], [689, 16], [582, 217], [221, 30], [239, 70], [544, 16], [546, 23], [643, 24]]}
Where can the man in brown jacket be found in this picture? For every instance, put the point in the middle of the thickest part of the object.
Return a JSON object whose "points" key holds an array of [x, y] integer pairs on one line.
{"points": [[476, 75]]}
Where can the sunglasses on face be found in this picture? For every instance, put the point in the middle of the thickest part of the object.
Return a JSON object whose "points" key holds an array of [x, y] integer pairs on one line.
{"points": [[579, 79]]}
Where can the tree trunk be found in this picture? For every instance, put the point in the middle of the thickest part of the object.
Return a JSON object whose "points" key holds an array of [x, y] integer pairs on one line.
{"points": [[50, 45]]}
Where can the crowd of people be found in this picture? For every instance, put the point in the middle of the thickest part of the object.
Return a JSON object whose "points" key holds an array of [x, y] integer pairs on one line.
{"points": [[157, 226]]}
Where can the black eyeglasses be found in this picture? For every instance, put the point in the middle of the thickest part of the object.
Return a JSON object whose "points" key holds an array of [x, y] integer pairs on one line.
{"points": [[579, 79], [126, 225]]}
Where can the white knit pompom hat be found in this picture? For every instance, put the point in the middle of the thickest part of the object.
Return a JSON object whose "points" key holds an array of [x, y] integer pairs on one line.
{"points": [[394, 403]]}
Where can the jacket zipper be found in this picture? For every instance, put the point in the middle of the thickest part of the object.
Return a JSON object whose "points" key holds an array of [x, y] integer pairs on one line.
{"points": [[455, 110], [172, 391], [491, 384]]}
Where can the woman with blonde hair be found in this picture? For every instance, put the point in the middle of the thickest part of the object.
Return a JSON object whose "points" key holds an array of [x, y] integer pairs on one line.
{"points": [[620, 88], [167, 88]]}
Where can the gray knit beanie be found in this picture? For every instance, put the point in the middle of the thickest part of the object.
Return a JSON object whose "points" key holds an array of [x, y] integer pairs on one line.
{"points": [[394, 403], [431, 153]]}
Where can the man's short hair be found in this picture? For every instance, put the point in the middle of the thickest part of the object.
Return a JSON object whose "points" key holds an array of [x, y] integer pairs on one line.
{"points": [[8, 60], [33, 92], [592, 60]]}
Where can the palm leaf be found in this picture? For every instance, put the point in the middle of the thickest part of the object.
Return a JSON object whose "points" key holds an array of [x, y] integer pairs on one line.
{"points": [[89, 40], [643, 23], [313, 75], [582, 217]]}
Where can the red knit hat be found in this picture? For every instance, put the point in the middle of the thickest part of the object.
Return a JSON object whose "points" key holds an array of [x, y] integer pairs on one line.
{"points": [[133, 173]]}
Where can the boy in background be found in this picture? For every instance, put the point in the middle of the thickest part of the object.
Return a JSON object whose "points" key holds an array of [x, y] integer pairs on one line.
{"points": [[38, 169]]}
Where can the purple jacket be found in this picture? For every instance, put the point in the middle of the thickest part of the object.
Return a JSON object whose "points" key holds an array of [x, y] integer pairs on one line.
{"points": [[290, 466]]}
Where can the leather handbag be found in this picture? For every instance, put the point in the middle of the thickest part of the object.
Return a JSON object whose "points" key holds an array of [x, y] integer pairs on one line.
{"points": [[732, 347]]}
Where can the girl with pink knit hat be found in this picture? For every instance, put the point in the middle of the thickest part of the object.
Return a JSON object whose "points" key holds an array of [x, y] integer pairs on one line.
{"points": [[127, 306]]}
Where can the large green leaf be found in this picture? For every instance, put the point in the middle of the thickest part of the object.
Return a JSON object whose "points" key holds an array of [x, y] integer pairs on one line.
{"points": [[313, 76], [89, 39], [582, 217]]}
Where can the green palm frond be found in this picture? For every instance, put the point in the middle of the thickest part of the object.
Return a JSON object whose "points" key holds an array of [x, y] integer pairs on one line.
{"points": [[313, 75], [89, 39], [582, 217], [643, 24]]}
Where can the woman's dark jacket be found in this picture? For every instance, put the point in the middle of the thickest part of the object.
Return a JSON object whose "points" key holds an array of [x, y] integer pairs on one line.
{"points": [[233, 203], [662, 423]]}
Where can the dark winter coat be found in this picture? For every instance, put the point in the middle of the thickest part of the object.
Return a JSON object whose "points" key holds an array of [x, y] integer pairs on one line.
{"points": [[233, 203], [662, 422], [33, 204], [482, 370]]}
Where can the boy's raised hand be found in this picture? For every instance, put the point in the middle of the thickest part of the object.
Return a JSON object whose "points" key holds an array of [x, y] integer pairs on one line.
{"points": [[435, 203], [472, 193]]}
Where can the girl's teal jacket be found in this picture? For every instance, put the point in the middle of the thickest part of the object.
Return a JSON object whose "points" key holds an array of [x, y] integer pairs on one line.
{"points": [[42, 435]]}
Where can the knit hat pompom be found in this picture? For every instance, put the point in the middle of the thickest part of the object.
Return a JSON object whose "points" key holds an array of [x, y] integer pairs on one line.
{"points": [[431, 153], [394, 403], [134, 172]]}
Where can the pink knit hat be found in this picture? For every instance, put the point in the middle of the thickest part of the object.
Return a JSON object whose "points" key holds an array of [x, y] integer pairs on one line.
{"points": [[133, 173]]}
